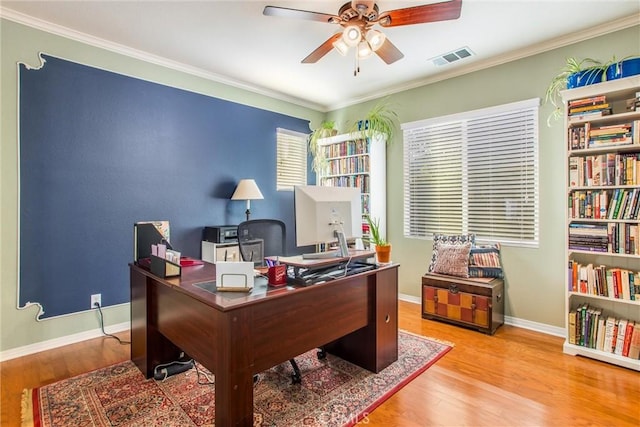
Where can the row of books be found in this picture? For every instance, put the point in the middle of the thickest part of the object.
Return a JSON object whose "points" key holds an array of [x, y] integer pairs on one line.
{"points": [[616, 238], [588, 136], [604, 169], [589, 107], [347, 148], [589, 327], [359, 181], [348, 165], [610, 282], [620, 203]]}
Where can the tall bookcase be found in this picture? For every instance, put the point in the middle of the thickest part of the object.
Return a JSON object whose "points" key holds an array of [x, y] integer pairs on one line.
{"points": [[602, 284], [355, 161]]}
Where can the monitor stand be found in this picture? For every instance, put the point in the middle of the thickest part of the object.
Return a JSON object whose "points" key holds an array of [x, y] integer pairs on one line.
{"points": [[343, 249], [321, 255]]}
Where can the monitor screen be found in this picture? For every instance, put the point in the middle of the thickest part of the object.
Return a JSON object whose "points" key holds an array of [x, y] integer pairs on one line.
{"points": [[321, 211]]}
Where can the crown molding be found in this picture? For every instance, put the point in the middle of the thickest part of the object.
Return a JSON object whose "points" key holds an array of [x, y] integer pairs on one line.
{"points": [[68, 33]]}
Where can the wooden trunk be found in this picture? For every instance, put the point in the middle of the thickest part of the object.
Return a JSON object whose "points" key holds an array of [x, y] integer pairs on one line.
{"points": [[476, 303]]}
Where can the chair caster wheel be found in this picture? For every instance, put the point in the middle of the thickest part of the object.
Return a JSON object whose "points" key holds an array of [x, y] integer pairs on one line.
{"points": [[321, 354], [296, 379]]}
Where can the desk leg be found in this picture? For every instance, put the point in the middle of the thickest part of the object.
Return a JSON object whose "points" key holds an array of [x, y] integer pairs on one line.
{"points": [[375, 346], [148, 346], [234, 375]]}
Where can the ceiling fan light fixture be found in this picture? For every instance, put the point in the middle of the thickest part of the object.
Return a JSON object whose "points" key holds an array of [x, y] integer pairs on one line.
{"points": [[376, 39], [351, 35], [364, 50], [341, 47]]}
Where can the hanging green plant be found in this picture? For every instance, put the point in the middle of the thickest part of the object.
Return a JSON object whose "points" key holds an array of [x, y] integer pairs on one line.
{"points": [[381, 119], [326, 129], [574, 73]]}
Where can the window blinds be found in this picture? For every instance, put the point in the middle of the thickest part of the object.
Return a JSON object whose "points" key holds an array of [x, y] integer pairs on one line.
{"points": [[474, 172], [291, 167]]}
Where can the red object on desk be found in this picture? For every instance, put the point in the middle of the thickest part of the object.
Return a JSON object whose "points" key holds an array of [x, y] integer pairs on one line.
{"points": [[277, 275], [185, 261]]}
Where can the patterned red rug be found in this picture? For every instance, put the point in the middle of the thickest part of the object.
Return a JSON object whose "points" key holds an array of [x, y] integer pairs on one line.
{"points": [[333, 393]]}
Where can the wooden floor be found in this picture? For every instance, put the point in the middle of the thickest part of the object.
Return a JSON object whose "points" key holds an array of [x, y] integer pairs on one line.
{"points": [[514, 378]]}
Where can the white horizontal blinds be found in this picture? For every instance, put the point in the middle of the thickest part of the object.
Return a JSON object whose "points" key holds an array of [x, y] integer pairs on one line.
{"points": [[291, 159], [502, 176], [433, 180], [474, 172]]}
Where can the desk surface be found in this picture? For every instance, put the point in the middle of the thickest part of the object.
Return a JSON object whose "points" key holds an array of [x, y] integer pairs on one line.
{"points": [[195, 281]]}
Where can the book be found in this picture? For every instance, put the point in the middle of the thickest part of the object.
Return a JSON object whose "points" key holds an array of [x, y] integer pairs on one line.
{"points": [[609, 334], [588, 101], [634, 345], [600, 336], [619, 338], [572, 327], [627, 338]]}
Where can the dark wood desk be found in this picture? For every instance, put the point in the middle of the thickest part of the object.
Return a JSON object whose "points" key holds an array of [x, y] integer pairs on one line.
{"points": [[236, 336]]}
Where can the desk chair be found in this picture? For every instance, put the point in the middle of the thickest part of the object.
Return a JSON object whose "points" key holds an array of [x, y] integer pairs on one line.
{"points": [[258, 238]]}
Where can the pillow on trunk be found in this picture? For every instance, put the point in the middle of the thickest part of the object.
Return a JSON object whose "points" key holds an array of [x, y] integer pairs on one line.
{"points": [[452, 259], [451, 239]]}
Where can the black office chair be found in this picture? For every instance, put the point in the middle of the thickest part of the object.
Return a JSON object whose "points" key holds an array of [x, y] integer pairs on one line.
{"points": [[259, 238]]}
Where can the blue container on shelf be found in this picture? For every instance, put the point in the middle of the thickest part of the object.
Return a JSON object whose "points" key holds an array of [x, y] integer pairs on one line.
{"points": [[624, 68], [585, 77]]}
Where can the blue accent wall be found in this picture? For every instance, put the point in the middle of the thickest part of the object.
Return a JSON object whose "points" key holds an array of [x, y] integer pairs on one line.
{"points": [[100, 151]]}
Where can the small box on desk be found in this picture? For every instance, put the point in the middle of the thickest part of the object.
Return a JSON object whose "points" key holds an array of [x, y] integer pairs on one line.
{"points": [[277, 275], [163, 268]]}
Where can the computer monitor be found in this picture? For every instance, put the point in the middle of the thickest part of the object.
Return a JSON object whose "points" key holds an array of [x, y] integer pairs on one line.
{"points": [[326, 214]]}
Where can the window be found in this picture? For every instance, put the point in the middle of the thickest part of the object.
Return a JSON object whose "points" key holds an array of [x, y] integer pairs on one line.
{"points": [[474, 172], [291, 159]]}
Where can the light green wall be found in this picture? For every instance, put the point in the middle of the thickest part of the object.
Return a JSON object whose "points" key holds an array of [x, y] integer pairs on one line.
{"points": [[534, 277], [20, 43]]}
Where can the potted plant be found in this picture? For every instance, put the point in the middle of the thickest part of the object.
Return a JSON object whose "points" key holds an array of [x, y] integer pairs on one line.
{"points": [[381, 119], [620, 68], [325, 130], [575, 73], [382, 247]]}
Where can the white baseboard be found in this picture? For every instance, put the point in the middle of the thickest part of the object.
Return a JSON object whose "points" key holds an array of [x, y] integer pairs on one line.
{"points": [[508, 320], [61, 342]]}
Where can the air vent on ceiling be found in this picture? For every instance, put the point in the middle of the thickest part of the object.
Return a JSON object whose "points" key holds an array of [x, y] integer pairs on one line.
{"points": [[453, 56]]}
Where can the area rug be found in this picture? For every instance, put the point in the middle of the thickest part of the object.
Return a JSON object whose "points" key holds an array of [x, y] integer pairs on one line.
{"points": [[333, 392]]}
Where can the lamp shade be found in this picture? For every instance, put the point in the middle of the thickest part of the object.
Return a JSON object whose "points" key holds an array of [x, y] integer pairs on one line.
{"points": [[247, 189]]}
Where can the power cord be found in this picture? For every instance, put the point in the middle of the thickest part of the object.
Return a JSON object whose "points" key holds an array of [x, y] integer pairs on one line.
{"points": [[97, 305]]}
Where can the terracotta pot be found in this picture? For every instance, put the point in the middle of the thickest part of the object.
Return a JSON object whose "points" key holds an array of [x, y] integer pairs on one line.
{"points": [[383, 253]]}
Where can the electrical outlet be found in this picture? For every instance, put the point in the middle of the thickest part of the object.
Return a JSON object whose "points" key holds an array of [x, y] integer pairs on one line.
{"points": [[96, 298]]}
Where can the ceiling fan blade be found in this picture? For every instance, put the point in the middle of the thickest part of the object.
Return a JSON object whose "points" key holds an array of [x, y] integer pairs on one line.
{"points": [[322, 50], [389, 53], [285, 12], [421, 14]]}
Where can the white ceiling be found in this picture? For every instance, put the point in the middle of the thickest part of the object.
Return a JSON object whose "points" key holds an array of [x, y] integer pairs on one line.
{"points": [[233, 42]]}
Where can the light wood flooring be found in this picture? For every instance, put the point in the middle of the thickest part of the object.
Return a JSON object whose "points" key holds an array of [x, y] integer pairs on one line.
{"points": [[513, 378]]}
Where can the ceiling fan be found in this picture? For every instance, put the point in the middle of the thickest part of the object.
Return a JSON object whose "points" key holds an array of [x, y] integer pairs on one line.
{"points": [[357, 17]]}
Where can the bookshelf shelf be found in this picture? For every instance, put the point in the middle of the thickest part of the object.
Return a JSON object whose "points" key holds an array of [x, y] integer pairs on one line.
{"points": [[602, 170], [355, 162], [577, 350], [616, 300]]}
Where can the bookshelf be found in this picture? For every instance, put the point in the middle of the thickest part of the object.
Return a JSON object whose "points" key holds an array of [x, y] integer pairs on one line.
{"points": [[602, 234], [353, 161]]}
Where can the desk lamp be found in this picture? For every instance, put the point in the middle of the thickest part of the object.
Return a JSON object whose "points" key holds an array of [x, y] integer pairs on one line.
{"points": [[248, 190]]}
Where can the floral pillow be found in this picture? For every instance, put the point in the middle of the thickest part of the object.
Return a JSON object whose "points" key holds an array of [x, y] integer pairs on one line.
{"points": [[484, 261], [450, 239], [452, 259]]}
